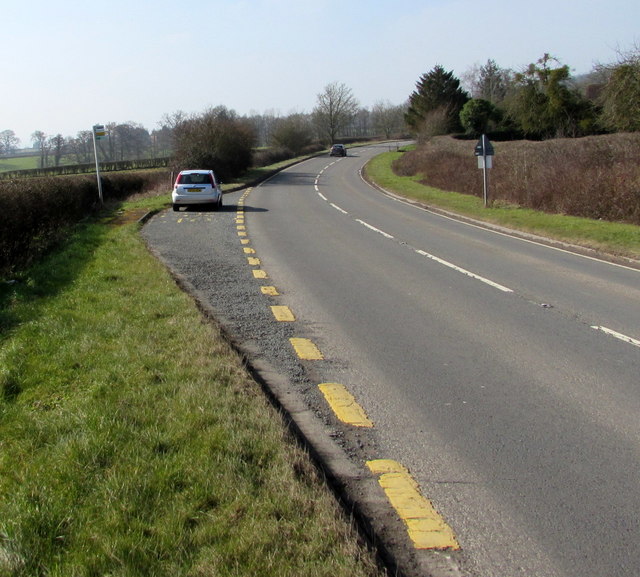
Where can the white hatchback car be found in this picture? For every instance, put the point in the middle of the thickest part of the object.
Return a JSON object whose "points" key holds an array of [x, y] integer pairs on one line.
{"points": [[196, 187]]}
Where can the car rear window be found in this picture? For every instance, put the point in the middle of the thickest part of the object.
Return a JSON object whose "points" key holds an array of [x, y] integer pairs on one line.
{"points": [[195, 178]]}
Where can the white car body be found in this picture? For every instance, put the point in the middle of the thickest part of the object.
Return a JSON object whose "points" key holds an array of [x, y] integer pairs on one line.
{"points": [[196, 187]]}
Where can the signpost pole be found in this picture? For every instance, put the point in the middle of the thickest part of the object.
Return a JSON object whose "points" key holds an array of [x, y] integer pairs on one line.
{"points": [[98, 132], [484, 152], [485, 174]]}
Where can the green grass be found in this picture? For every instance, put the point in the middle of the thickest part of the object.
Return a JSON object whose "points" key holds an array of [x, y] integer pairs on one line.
{"points": [[614, 238], [19, 163], [132, 441]]}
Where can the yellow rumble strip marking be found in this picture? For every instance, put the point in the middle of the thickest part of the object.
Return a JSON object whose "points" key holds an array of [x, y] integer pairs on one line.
{"points": [[306, 350], [253, 261], [426, 528], [241, 227], [344, 405], [249, 250], [245, 241], [269, 290], [258, 273], [242, 233], [283, 313]]}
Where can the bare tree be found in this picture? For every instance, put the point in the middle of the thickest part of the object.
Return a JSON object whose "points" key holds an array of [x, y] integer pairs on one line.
{"points": [[264, 125], [173, 119], [388, 118], [335, 109], [218, 140], [40, 140], [293, 133], [163, 140], [130, 140], [81, 146], [488, 82], [57, 146], [360, 125], [107, 146], [8, 141]]}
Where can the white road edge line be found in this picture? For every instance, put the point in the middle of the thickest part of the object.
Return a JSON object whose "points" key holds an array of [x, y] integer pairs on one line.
{"points": [[465, 272], [617, 335], [398, 198]]}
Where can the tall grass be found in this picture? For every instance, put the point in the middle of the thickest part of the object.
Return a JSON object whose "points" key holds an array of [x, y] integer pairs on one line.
{"points": [[596, 177], [133, 443]]}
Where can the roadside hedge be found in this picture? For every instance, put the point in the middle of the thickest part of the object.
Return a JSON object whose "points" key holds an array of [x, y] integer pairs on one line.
{"points": [[36, 213], [88, 168], [595, 177]]}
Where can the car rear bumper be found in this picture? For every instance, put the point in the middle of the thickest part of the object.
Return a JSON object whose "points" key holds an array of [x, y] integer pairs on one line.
{"points": [[195, 198]]}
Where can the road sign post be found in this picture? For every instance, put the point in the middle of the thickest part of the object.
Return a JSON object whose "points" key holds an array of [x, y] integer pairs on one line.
{"points": [[99, 133], [484, 152]]}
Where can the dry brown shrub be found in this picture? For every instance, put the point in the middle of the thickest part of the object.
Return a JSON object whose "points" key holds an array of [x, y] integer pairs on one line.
{"points": [[594, 177]]}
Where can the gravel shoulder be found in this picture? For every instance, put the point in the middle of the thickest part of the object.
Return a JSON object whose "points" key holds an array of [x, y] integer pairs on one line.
{"points": [[204, 253]]}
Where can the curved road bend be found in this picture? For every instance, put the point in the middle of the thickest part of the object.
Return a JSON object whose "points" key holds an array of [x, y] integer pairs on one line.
{"points": [[505, 375]]}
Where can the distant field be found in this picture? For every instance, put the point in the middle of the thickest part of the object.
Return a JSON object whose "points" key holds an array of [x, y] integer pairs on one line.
{"points": [[30, 162], [19, 163]]}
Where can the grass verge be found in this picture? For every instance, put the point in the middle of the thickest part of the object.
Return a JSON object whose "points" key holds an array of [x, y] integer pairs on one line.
{"points": [[132, 441], [613, 238]]}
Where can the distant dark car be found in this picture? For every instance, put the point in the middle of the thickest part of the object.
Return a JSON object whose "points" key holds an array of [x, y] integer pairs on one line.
{"points": [[338, 150]]}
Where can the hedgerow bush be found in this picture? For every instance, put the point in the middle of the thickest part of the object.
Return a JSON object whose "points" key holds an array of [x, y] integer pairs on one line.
{"points": [[216, 140], [275, 154], [594, 177], [36, 213]]}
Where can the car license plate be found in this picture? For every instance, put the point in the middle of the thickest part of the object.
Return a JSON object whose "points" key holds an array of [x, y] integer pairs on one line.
{"points": [[194, 189]]}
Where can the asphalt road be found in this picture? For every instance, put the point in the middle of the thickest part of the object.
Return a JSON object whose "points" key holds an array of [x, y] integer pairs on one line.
{"points": [[503, 373]]}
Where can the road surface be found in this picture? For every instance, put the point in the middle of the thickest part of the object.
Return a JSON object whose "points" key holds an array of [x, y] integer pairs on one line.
{"points": [[504, 374]]}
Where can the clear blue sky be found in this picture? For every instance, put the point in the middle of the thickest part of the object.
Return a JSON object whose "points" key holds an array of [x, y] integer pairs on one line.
{"points": [[68, 64]]}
